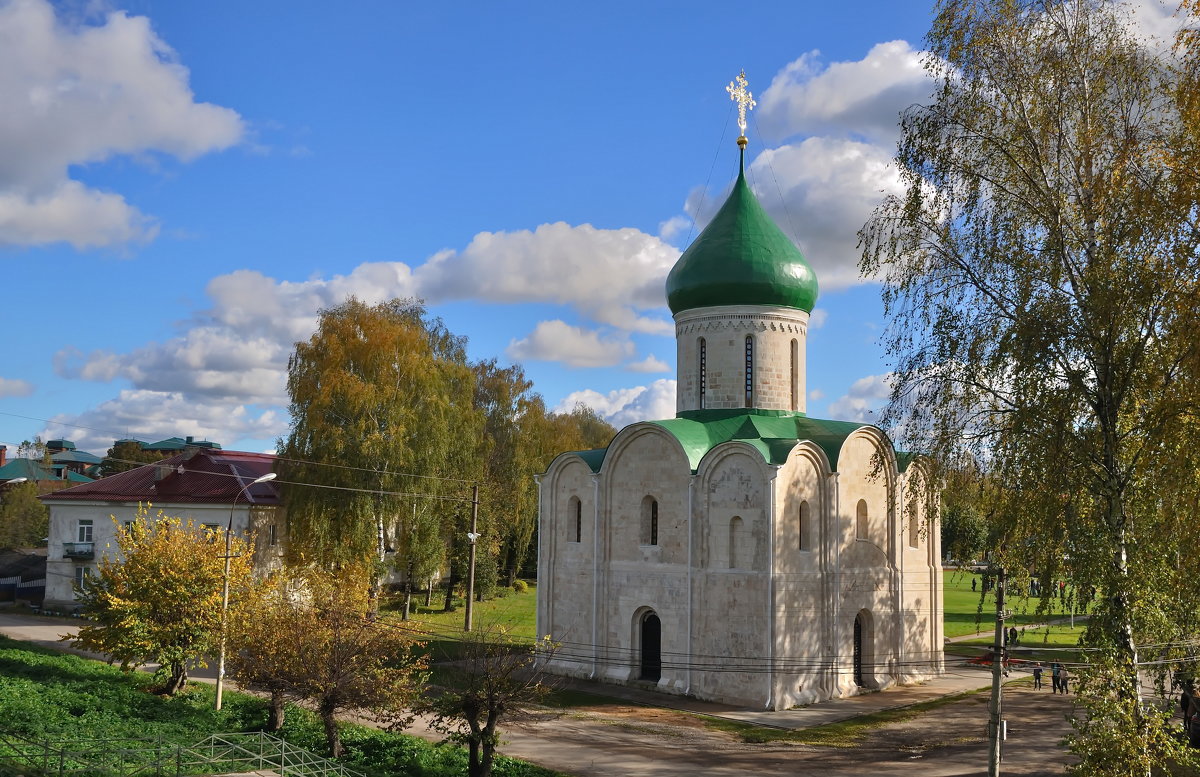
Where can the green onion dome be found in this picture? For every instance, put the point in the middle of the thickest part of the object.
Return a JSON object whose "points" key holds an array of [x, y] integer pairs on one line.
{"points": [[741, 258]]}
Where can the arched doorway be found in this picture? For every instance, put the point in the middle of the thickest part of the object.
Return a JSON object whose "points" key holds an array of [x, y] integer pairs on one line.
{"points": [[651, 640], [858, 651]]}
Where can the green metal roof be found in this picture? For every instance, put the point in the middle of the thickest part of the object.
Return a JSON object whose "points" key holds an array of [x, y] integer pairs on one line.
{"points": [[741, 258], [30, 469], [73, 456], [774, 433]]}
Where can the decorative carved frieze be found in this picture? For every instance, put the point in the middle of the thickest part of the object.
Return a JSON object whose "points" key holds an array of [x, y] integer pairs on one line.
{"points": [[740, 323]]}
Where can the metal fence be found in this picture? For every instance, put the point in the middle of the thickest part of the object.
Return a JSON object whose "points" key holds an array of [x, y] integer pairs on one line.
{"points": [[216, 754]]}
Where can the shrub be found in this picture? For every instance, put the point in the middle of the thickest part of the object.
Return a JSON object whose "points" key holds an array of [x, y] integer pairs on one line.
{"points": [[520, 586]]}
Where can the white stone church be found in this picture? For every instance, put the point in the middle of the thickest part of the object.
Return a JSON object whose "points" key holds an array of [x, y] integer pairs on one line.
{"points": [[742, 551]]}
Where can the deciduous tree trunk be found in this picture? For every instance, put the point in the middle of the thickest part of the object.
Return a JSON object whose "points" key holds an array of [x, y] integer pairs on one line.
{"points": [[275, 716], [332, 736]]}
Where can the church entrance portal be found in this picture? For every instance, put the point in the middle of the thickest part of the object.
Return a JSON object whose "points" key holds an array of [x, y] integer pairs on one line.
{"points": [[651, 647], [858, 651]]}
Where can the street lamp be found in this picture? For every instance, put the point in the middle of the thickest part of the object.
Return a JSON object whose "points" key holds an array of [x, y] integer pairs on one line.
{"points": [[472, 537], [225, 588]]}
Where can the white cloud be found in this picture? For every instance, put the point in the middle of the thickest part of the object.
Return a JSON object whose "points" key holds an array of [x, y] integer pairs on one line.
{"points": [[152, 415], [816, 395], [557, 341], [817, 318], [863, 98], [15, 387], [236, 350], [649, 364], [830, 186], [627, 406], [865, 396], [673, 228], [74, 214], [75, 94], [607, 274]]}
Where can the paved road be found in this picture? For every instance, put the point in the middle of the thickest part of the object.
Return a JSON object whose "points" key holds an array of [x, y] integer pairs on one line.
{"points": [[632, 739]]}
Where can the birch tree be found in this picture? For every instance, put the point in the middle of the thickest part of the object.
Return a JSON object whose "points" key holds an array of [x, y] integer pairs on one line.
{"points": [[1040, 273], [382, 413]]}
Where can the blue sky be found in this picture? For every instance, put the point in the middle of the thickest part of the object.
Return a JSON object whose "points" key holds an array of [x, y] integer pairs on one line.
{"points": [[184, 185]]}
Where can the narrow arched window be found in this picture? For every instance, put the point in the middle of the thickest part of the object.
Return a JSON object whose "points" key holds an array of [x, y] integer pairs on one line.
{"points": [[735, 532], [805, 541], [795, 375], [702, 378], [577, 510], [749, 371], [860, 520], [649, 521], [914, 524]]}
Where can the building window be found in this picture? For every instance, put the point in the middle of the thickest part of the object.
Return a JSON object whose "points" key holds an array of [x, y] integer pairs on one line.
{"points": [[274, 538], [735, 534], [795, 375], [82, 573], [860, 520], [649, 521], [576, 512], [702, 347], [749, 371], [805, 542], [85, 531], [211, 531]]}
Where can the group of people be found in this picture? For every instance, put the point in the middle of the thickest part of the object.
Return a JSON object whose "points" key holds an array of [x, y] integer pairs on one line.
{"points": [[1060, 677]]}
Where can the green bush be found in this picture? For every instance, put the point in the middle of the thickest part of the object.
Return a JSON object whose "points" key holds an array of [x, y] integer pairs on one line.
{"points": [[50, 696], [520, 586]]}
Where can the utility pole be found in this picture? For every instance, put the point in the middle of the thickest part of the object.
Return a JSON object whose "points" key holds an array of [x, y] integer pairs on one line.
{"points": [[472, 536], [995, 724]]}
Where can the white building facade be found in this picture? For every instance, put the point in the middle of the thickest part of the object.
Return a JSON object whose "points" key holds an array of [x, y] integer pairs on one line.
{"points": [[742, 552], [208, 488]]}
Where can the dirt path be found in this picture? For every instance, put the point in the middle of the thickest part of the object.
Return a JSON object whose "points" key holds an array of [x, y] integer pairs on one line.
{"points": [[949, 740]]}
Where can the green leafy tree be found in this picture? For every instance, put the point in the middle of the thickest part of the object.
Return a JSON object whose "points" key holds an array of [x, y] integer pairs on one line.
{"points": [[24, 520], [1041, 276], [377, 393], [495, 678], [308, 636], [126, 455], [158, 599]]}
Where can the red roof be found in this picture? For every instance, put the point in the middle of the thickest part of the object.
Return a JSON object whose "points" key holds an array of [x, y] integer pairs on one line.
{"points": [[198, 475]]}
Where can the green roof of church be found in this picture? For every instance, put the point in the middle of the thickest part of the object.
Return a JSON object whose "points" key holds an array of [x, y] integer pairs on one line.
{"points": [[741, 258], [774, 433]]}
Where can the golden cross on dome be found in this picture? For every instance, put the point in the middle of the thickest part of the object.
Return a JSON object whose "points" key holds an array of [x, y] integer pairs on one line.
{"points": [[745, 101]]}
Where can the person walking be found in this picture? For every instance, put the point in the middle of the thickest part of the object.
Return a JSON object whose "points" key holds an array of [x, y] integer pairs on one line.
{"points": [[1055, 680], [1037, 676], [1064, 677]]}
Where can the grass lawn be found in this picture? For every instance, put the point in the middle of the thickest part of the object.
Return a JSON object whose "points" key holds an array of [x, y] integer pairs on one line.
{"points": [[1049, 643], [967, 612], [443, 631], [51, 696]]}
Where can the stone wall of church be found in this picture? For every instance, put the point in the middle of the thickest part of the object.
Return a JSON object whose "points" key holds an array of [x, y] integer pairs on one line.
{"points": [[646, 477], [778, 336], [731, 604], [805, 536], [755, 585], [566, 572], [921, 581]]}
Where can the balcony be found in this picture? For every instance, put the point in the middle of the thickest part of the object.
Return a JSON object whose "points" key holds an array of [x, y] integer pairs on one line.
{"points": [[79, 550]]}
